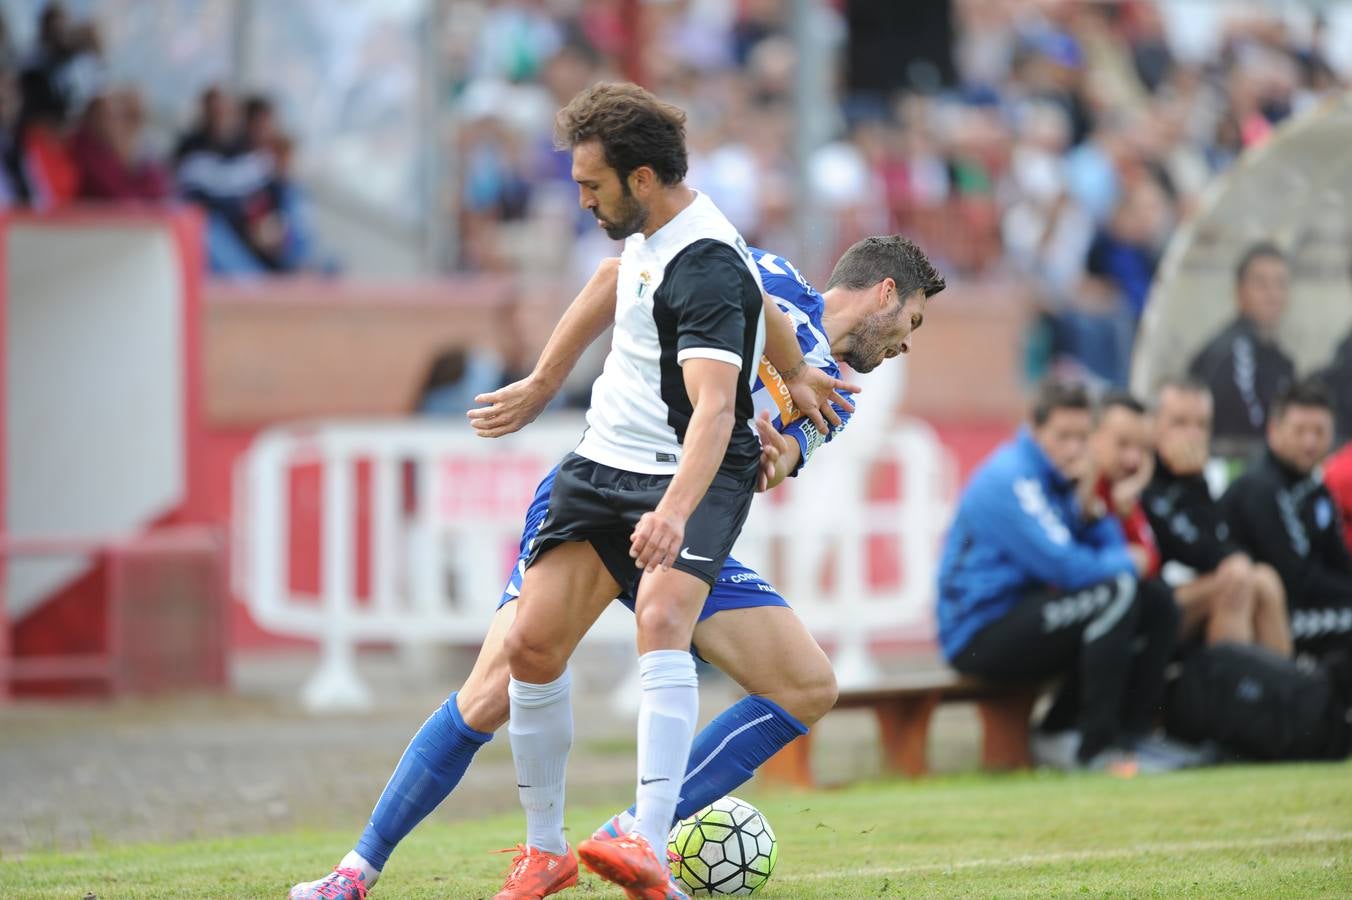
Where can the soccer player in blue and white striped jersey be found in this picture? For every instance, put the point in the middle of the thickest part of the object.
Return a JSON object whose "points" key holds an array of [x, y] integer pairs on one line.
{"points": [[874, 301]]}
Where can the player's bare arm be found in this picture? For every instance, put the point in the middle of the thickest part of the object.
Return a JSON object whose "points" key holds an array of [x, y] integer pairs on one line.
{"points": [[813, 391], [515, 406], [712, 388], [779, 454]]}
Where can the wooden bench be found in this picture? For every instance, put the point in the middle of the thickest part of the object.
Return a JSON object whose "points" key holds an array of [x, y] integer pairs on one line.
{"points": [[904, 706]]}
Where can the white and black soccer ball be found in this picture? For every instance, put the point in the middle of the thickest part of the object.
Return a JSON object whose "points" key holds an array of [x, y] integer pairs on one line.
{"points": [[725, 848]]}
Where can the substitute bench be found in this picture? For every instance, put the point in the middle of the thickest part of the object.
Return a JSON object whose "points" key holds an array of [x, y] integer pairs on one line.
{"points": [[904, 706]]}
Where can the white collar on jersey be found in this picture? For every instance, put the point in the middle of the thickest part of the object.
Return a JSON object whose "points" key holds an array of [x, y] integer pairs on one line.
{"points": [[673, 228]]}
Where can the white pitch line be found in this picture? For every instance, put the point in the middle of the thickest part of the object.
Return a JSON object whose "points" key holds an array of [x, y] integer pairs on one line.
{"points": [[1032, 859]]}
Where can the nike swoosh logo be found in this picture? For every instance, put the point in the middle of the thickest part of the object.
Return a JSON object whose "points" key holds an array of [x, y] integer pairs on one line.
{"points": [[686, 554], [652, 780]]}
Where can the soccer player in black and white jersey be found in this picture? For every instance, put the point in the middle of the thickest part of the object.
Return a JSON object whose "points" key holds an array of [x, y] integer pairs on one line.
{"points": [[659, 486]]}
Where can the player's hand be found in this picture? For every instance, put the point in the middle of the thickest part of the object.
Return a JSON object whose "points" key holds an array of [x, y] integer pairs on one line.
{"points": [[657, 540], [773, 447], [510, 408], [813, 391], [1183, 456], [1140, 558], [1127, 492]]}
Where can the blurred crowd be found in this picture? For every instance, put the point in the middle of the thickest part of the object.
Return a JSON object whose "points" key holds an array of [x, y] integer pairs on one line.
{"points": [[1053, 142], [70, 136], [1069, 143]]}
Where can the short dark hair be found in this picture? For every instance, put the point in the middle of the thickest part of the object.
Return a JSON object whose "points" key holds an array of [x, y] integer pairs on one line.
{"points": [[256, 105], [1185, 383], [871, 260], [1054, 394], [634, 127], [1256, 251], [1310, 392], [1121, 399]]}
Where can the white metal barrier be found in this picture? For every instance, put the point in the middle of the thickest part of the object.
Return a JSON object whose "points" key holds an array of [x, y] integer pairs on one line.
{"points": [[431, 516]]}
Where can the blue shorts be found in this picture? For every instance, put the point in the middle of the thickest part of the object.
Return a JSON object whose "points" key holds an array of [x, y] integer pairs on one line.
{"points": [[737, 587]]}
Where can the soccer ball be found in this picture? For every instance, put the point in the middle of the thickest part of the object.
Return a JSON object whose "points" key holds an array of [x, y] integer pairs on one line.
{"points": [[725, 848]]}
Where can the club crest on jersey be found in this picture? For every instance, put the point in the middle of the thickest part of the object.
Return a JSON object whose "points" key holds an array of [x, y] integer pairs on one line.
{"points": [[644, 279]]}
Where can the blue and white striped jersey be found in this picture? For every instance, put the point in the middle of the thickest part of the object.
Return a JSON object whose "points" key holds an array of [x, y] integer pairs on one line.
{"points": [[804, 306]]}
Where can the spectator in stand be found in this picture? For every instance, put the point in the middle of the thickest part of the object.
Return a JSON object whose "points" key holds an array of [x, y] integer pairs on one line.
{"points": [[293, 246], [64, 71], [107, 150], [455, 377], [1032, 586], [218, 170], [1243, 364], [11, 181], [1282, 514], [1223, 594], [1338, 479], [1119, 267]]}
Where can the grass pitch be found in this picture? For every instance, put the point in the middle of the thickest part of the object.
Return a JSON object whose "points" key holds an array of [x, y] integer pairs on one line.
{"points": [[1274, 831]]}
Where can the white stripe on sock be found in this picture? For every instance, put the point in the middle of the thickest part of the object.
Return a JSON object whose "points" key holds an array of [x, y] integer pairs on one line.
{"points": [[723, 743]]}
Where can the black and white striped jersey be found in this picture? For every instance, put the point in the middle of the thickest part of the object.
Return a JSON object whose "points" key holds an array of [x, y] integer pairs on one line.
{"points": [[691, 290]]}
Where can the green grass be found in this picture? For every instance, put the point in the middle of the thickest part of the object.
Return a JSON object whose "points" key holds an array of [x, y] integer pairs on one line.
{"points": [[1276, 831]]}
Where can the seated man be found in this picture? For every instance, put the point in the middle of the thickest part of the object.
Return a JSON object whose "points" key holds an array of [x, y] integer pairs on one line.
{"points": [[1243, 364], [1282, 514], [1338, 479], [1223, 594], [1119, 468], [1030, 587]]}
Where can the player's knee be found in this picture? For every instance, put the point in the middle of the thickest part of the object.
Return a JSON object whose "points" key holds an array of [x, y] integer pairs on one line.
{"points": [[814, 699], [532, 657], [1235, 601], [663, 625], [1271, 592]]}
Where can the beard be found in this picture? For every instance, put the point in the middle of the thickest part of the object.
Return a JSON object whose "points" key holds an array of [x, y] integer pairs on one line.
{"points": [[868, 346], [630, 217]]}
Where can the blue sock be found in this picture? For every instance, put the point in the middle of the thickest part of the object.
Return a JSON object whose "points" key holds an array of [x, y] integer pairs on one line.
{"points": [[429, 770], [728, 751]]}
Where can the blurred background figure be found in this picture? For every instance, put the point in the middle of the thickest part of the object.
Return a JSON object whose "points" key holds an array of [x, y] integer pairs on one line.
{"points": [[1243, 365], [1281, 513], [108, 150], [1223, 594]]}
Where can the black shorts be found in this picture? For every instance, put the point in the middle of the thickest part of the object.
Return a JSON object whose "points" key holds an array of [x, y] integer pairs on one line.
{"points": [[595, 503]]}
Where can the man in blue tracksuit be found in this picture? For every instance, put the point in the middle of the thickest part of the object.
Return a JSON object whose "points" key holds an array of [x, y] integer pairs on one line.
{"points": [[1035, 583]]}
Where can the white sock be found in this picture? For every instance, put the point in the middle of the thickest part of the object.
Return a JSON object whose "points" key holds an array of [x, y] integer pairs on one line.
{"points": [[666, 725], [541, 730], [354, 860]]}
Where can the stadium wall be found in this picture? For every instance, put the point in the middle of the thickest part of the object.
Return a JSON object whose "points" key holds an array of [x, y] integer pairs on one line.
{"points": [[101, 405]]}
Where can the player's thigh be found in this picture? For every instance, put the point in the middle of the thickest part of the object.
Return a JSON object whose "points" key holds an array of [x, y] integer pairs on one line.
{"points": [[666, 607], [1196, 601], [482, 699], [1042, 633], [563, 592], [770, 653], [1268, 584]]}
